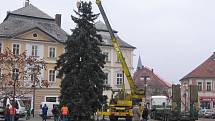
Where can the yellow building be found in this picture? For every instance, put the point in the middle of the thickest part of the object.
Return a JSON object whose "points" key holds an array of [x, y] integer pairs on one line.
{"points": [[31, 30]]}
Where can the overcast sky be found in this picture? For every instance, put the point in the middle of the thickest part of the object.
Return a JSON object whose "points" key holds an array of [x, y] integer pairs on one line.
{"points": [[172, 36]]}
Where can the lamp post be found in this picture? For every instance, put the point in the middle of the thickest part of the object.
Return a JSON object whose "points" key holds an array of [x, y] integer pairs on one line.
{"points": [[33, 95], [2, 85], [15, 78], [145, 78], [33, 78]]}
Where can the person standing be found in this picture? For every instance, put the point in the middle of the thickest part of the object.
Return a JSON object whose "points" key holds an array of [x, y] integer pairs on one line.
{"points": [[28, 112], [136, 113], [65, 112], [7, 113], [44, 112], [12, 113], [55, 113], [145, 114]]}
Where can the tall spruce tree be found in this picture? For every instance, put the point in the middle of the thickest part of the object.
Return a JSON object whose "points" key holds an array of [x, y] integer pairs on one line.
{"points": [[81, 67]]}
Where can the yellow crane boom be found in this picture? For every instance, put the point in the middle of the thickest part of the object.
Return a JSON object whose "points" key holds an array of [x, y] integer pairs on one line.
{"points": [[116, 46]]}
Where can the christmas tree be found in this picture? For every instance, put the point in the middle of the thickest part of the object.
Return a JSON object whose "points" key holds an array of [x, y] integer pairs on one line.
{"points": [[80, 67]]}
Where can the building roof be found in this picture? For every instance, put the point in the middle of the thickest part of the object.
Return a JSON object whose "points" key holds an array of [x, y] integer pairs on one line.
{"points": [[102, 29], [31, 11], [28, 18], [154, 80], [204, 70]]}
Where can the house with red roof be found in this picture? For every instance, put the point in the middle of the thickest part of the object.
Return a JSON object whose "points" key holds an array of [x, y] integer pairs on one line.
{"points": [[204, 77], [154, 85]]}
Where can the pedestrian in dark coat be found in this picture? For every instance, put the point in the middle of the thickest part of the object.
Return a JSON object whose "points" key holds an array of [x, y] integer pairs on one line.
{"points": [[55, 113], [7, 113], [145, 114], [44, 112]]}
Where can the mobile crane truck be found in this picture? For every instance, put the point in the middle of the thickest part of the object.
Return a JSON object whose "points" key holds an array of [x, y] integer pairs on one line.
{"points": [[120, 106], [175, 113]]}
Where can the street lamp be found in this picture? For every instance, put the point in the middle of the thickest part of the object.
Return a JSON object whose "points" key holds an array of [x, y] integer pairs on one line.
{"points": [[145, 78], [2, 84], [14, 78], [33, 78]]}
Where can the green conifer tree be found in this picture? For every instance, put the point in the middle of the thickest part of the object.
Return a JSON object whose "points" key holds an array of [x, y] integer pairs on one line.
{"points": [[81, 67]]}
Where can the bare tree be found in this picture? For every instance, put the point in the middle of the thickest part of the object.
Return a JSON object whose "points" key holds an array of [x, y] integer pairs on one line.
{"points": [[19, 73]]}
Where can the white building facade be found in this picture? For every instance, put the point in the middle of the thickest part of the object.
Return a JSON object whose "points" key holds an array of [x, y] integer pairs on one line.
{"points": [[113, 68]]}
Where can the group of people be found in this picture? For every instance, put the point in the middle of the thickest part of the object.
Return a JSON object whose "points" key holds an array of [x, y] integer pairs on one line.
{"points": [[59, 115], [140, 115], [10, 113]]}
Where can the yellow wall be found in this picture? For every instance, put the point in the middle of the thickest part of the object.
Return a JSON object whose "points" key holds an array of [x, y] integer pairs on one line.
{"points": [[42, 38]]}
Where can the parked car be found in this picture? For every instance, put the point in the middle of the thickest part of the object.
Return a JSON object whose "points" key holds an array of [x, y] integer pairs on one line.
{"points": [[208, 113], [201, 113], [213, 115]]}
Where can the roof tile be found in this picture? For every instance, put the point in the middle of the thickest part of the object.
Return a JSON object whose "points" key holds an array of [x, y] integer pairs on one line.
{"points": [[32, 11], [204, 70], [154, 80]]}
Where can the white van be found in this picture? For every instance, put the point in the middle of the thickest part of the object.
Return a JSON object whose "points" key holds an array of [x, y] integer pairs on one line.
{"points": [[159, 102], [20, 107], [50, 101]]}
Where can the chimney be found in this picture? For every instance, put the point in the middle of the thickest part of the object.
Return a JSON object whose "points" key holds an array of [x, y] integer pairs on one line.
{"points": [[8, 12], [58, 19], [27, 3], [152, 70]]}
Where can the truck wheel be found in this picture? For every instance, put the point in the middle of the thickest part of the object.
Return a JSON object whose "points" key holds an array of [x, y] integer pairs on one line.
{"points": [[113, 118], [16, 118], [128, 119]]}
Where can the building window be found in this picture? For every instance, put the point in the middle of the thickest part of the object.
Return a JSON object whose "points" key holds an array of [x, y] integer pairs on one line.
{"points": [[199, 86], [16, 49], [51, 75], [119, 78], [206, 104], [213, 104], [52, 52], [106, 56], [51, 99], [208, 86], [106, 79], [34, 50]]}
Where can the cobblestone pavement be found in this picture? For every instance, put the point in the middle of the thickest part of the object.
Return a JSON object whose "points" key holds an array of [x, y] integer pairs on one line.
{"points": [[37, 118]]}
